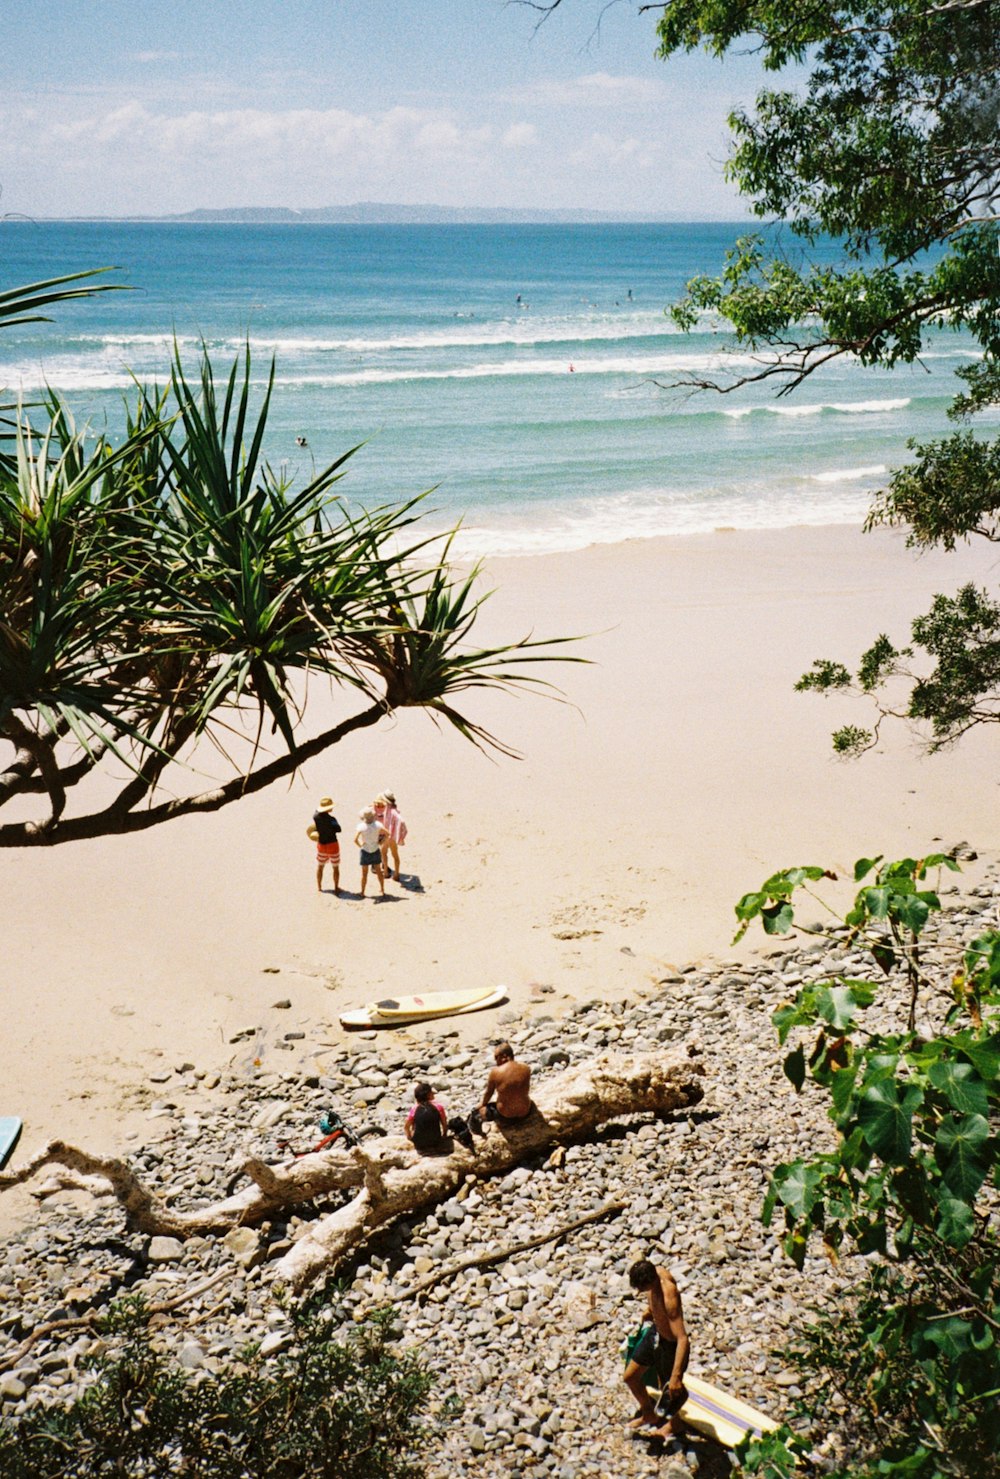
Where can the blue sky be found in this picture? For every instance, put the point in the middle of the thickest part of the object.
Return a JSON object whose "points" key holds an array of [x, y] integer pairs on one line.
{"points": [[111, 108]]}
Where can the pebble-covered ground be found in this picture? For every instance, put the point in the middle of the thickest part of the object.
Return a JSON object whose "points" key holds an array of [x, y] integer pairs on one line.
{"points": [[530, 1346]]}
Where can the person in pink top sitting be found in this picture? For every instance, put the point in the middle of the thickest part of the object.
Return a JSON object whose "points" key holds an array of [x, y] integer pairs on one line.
{"points": [[388, 816], [426, 1123]]}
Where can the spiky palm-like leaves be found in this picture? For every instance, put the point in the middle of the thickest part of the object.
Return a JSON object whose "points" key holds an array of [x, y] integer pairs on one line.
{"points": [[176, 586], [23, 305], [427, 658]]}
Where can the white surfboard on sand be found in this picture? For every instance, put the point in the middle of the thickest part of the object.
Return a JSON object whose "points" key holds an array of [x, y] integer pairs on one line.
{"points": [[396, 1011], [10, 1132]]}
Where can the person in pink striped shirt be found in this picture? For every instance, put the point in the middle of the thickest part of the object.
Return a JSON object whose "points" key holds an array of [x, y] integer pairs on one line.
{"points": [[387, 815]]}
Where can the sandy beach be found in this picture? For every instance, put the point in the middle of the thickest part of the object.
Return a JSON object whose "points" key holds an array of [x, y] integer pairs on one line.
{"points": [[679, 770]]}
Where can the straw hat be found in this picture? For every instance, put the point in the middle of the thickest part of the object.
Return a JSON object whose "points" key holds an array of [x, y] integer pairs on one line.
{"points": [[388, 796], [326, 804]]}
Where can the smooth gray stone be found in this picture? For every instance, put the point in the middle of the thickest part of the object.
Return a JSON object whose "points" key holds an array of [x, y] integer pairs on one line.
{"points": [[164, 1250]]}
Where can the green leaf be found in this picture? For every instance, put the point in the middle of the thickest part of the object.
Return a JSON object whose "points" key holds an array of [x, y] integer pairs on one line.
{"points": [[795, 1067], [774, 1455], [798, 1186], [777, 919], [955, 1222], [983, 1053], [864, 866], [785, 1018], [749, 906], [839, 1005], [884, 954], [951, 1336], [842, 1083], [959, 1150], [913, 912], [962, 1086], [885, 1115], [876, 901]]}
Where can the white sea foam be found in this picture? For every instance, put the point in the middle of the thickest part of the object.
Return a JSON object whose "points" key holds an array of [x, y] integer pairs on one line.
{"points": [[635, 364], [849, 474], [127, 342], [844, 408], [64, 375], [85, 372], [615, 518], [466, 333], [498, 336]]}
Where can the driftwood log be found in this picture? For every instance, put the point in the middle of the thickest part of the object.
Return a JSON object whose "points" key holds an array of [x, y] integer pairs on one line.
{"points": [[388, 1178]]}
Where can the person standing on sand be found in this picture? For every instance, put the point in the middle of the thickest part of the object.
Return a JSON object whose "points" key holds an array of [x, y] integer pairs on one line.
{"points": [[662, 1344], [324, 829], [510, 1081], [368, 838], [390, 819]]}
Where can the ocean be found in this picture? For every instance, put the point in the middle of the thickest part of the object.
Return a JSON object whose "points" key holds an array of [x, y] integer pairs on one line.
{"points": [[521, 372]]}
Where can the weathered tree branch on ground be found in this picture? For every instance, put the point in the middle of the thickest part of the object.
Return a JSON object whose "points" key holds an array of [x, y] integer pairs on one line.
{"points": [[499, 1255], [389, 1180], [83, 1322], [566, 1105], [102, 1176]]}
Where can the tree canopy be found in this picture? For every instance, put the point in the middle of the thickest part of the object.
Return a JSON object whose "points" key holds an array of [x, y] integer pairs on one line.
{"points": [[904, 1368], [891, 144], [328, 1407], [173, 590]]}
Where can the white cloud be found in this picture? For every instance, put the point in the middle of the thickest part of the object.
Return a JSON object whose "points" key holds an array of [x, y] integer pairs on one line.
{"points": [[137, 154], [332, 133], [594, 90], [519, 136], [603, 150]]}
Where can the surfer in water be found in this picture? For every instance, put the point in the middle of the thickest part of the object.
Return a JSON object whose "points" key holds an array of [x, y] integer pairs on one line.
{"points": [[663, 1344]]}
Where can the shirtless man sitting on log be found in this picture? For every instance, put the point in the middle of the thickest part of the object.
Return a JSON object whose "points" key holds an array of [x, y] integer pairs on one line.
{"points": [[663, 1344], [511, 1082]]}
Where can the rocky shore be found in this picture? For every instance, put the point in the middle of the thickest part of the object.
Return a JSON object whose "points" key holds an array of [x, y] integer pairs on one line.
{"points": [[530, 1346]]}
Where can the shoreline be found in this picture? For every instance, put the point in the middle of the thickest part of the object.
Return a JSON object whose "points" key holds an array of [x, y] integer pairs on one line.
{"points": [[679, 771], [623, 543]]}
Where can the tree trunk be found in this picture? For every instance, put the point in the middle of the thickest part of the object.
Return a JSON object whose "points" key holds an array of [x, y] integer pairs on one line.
{"points": [[113, 821], [388, 1177]]}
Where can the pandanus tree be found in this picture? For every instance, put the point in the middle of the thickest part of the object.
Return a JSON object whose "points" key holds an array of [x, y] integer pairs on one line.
{"points": [[172, 596]]}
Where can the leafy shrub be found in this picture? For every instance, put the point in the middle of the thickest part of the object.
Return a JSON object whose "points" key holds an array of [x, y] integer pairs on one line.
{"points": [[326, 1408], [913, 1356]]}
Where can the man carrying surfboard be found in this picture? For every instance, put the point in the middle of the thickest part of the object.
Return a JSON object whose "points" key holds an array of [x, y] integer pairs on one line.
{"points": [[663, 1344]]}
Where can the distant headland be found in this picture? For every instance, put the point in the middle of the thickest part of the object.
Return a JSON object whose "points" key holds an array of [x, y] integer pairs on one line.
{"points": [[376, 213]]}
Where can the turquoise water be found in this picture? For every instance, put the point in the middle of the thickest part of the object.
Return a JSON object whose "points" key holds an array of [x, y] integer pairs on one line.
{"points": [[518, 369]]}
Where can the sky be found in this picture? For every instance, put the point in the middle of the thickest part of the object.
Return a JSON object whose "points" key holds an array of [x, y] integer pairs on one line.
{"points": [[112, 108]]}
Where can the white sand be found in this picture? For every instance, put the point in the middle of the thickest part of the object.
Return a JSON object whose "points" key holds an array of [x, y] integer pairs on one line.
{"points": [[681, 771]]}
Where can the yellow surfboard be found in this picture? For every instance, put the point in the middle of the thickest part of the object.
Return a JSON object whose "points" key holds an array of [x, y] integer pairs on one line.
{"points": [[393, 1011], [717, 1415]]}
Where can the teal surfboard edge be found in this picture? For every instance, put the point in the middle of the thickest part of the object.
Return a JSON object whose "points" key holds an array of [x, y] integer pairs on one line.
{"points": [[10, 1133]]}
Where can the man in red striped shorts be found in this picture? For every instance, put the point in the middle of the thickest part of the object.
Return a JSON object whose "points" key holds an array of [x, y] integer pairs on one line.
{"points": [[323, 830]]}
